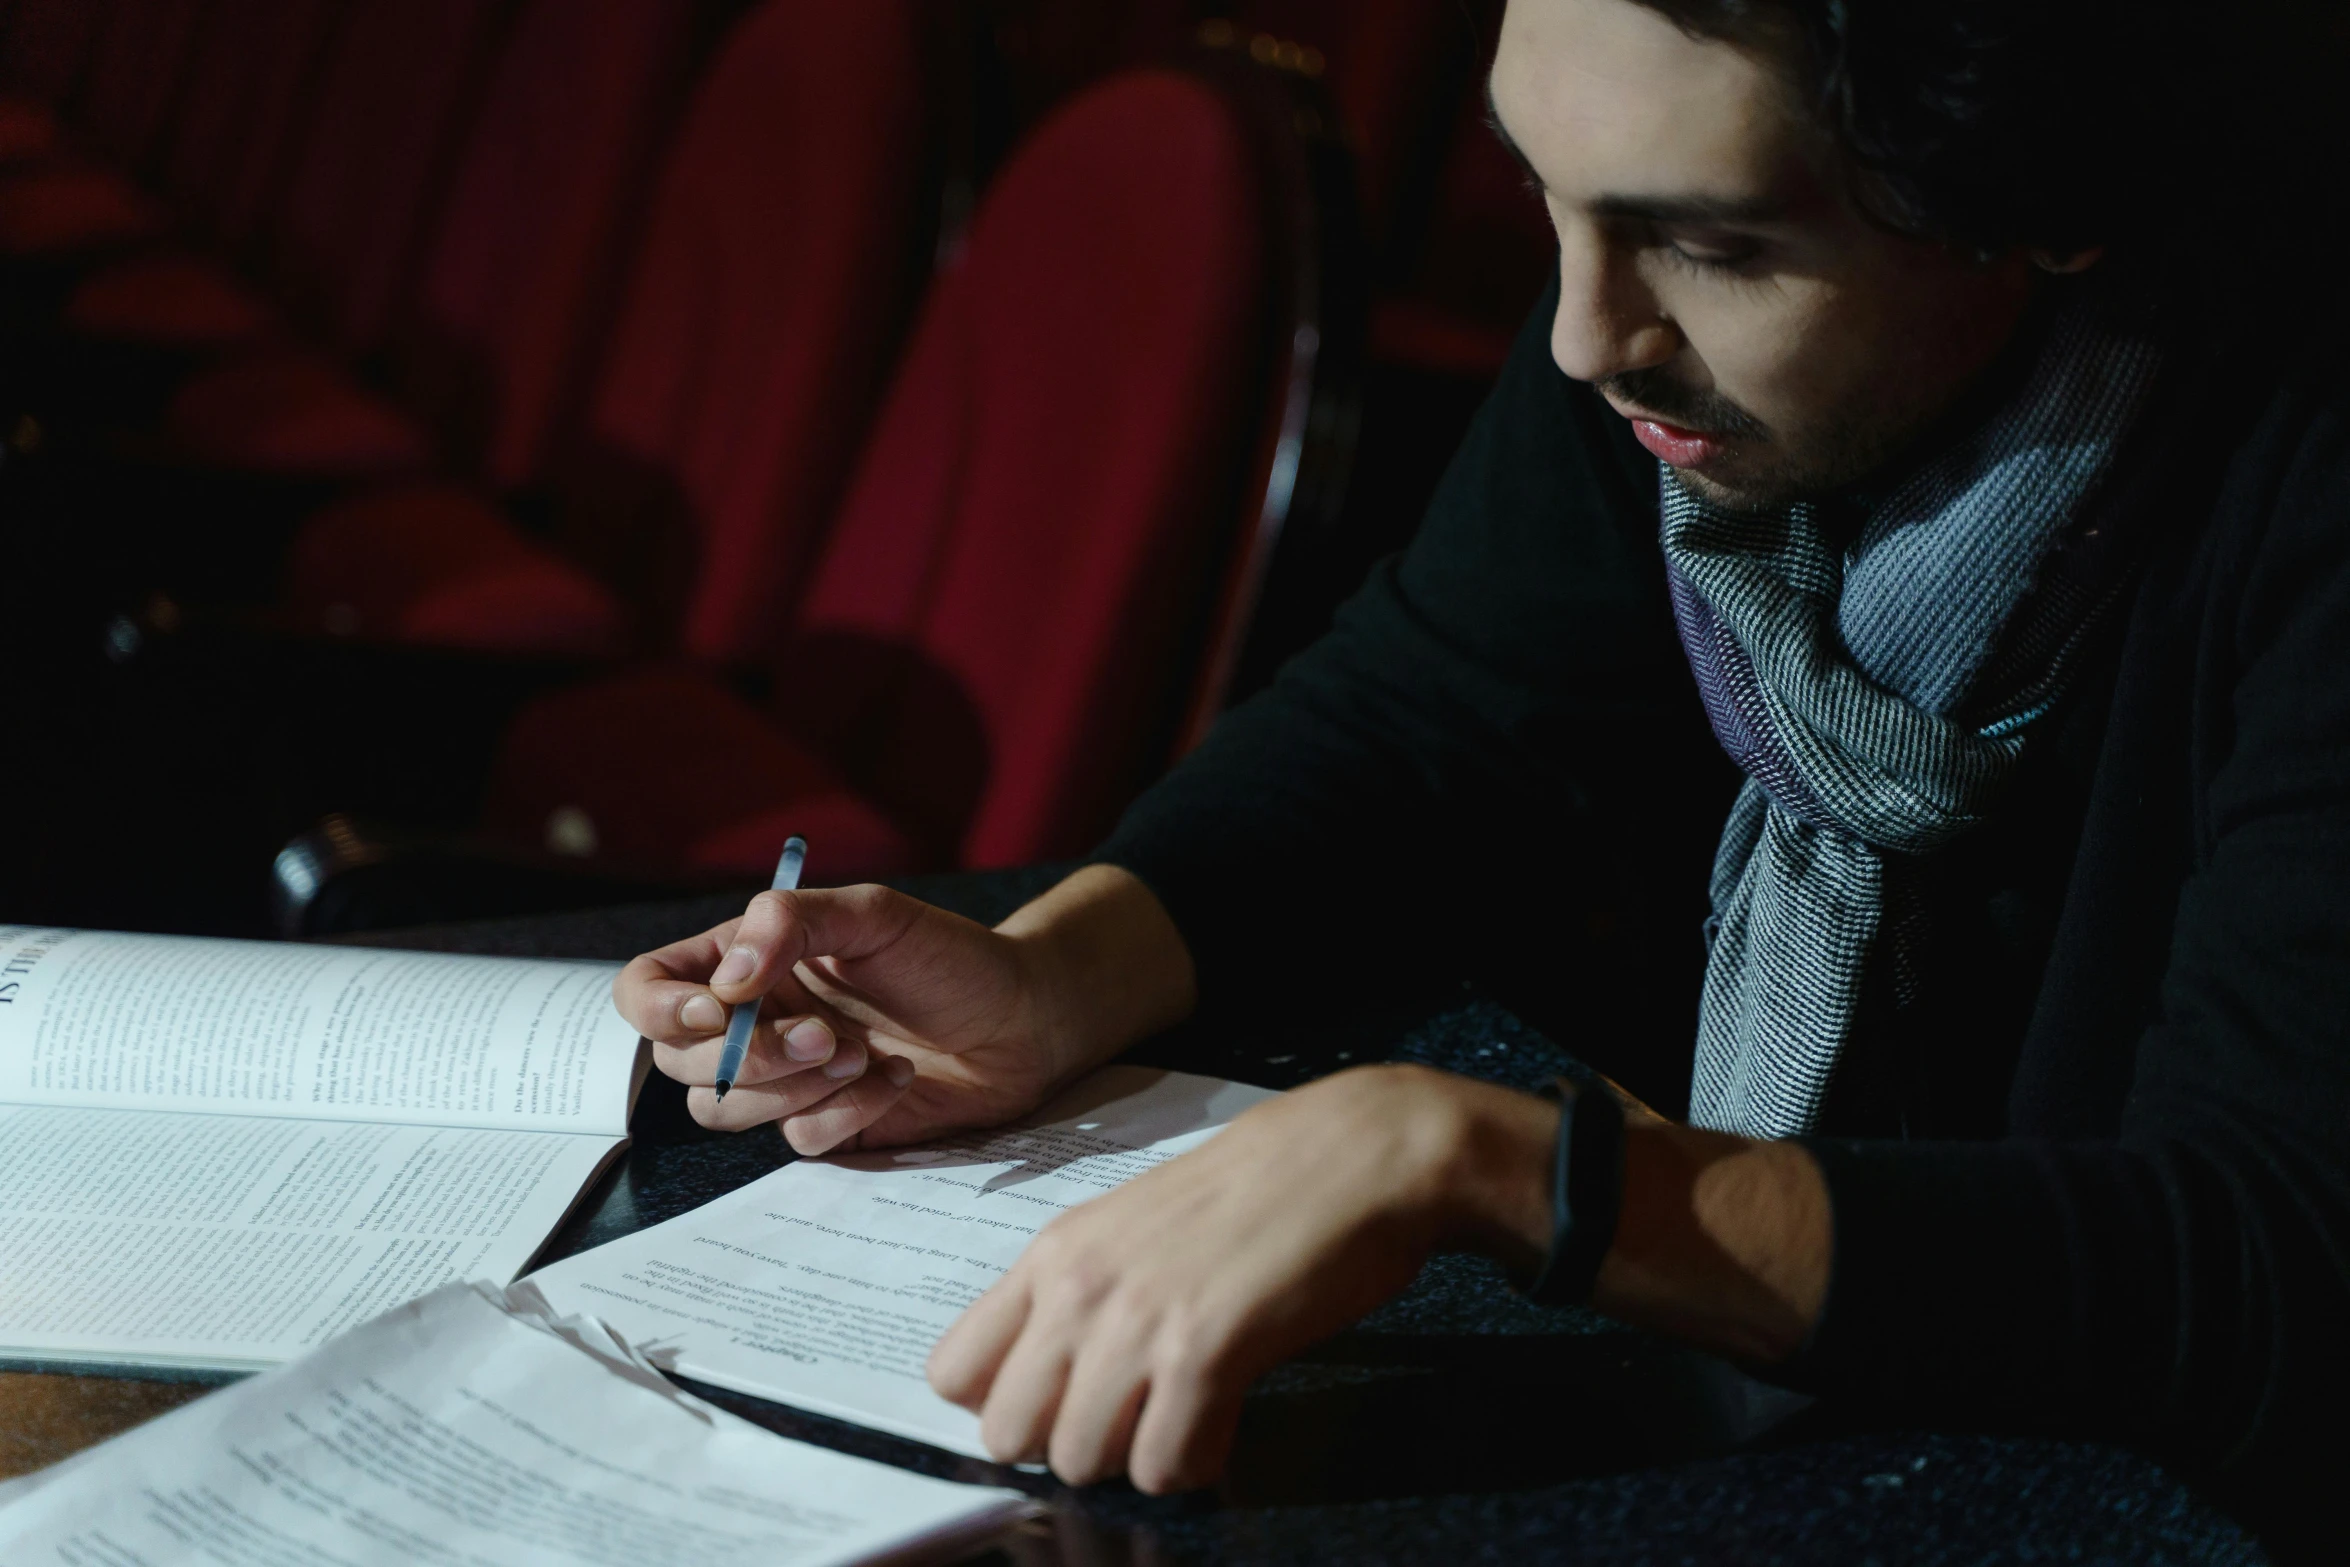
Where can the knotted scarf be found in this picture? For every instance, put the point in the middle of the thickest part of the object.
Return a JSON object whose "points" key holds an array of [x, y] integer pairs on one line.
{"points": [[1879, 685]]}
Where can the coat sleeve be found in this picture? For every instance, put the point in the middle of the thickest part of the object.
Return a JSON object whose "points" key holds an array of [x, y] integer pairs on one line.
{"points": [[2184, 1285], [1389, 801]]}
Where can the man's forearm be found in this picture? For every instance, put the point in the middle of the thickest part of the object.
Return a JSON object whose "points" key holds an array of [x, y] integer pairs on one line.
{"points": [[1723, 1242]]}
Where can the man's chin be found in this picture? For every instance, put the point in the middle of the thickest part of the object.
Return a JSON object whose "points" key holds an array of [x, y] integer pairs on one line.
{"points": [[1740, 494]]}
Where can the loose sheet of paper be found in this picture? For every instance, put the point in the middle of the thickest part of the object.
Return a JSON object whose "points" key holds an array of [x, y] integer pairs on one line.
{"points": [[105, 1019], [237, 1241], [824, 1284], [455, 1432]]}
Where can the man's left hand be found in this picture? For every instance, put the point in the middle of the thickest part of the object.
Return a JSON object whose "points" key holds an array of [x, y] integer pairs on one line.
{"points": [[1126, 1334]]}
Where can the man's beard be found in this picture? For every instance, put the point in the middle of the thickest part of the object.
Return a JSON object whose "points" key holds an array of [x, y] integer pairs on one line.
{"points": [[1774, 477], [1707, 412]]}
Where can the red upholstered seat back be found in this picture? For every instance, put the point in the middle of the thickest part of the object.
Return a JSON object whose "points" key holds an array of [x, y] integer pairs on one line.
{"points": [[47, 45], [134, 75], [755, 330], [994, 644], [388, 109], [243, 91], [570, 123]]}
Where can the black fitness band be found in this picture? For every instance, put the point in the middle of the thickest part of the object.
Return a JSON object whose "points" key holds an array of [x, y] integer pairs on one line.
{"points": [[1586, 1191]]}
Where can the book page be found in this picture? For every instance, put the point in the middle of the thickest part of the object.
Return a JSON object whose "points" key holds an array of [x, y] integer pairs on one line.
{"points": [[824, 1284], [137, 1022], [456, 1431], [240, 1241]]}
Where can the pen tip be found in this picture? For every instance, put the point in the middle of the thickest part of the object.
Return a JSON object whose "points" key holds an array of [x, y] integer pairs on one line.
{"points": [[723, 1086]]}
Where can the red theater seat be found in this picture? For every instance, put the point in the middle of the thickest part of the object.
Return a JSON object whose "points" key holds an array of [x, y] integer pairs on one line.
{"points": [[80, 202], [571, 118], [171, 300], [1002, 625], [392, 100], [294, 413], [72, 209], [28, 130], [758, 790], [569, 134], [43, 50], [240, 107], [437, 563], [134, 77], [754, 333]]}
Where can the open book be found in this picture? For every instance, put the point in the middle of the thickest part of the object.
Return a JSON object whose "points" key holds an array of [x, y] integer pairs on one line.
{"points": [[468, 1428], [216, 1154], [824, 1284]]}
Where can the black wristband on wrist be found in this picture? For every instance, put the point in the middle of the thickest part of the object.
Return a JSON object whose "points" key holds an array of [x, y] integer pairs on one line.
{"points": [[1586, 1192]]}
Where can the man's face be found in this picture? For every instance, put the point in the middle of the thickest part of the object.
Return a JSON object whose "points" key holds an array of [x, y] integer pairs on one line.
{"points": [[1716, 281]]}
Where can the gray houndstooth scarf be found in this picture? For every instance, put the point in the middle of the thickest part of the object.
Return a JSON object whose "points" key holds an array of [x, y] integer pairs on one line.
{"points": [[1878, 695]]}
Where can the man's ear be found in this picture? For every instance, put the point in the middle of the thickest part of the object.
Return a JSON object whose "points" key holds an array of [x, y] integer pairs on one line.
{"points": [[2065, 263]]}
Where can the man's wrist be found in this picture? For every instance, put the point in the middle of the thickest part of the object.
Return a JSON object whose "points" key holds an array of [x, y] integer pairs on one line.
{"points": [[1102, 966], [1722, 1241], [1493, 1187]]}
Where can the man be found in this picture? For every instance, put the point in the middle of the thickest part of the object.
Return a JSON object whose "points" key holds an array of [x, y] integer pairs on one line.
{"points": [[2015, 576]]}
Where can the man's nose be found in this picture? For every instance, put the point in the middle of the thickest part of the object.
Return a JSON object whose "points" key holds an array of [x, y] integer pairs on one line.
{"points": [[1607, 321]]}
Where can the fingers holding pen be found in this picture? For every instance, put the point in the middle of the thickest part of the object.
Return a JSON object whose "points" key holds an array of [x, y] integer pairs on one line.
{"points": [[835, 1122], [785, 1042], [665, 993], [771, 1092], [825, 1088], [781, 929]]}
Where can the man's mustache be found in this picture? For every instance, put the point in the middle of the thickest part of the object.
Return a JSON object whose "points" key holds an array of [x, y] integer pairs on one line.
{"points": [[1707, 413]]}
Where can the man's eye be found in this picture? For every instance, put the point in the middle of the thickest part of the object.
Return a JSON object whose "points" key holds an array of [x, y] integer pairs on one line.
{"points": [[1725, 257]]}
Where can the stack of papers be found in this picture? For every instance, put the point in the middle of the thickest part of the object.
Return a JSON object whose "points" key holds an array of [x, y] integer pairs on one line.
{"points": [[465, 1428]]}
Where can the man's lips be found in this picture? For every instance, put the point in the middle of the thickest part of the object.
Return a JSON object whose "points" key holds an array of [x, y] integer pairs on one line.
{"points": [[1672, 445]]}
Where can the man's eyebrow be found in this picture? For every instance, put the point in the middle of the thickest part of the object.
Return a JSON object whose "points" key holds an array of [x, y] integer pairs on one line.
{"points": [[1692, 210], [1667, 210]]}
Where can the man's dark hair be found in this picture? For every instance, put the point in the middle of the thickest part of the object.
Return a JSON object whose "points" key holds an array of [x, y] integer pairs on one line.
{"points": [[2143, 125]]}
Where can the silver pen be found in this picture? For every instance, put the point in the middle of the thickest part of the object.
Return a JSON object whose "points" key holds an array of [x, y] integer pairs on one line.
{"points": [[745, 1015]]}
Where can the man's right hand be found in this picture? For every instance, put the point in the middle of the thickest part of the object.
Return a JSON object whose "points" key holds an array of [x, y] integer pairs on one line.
{"points": [[886, 1020]]}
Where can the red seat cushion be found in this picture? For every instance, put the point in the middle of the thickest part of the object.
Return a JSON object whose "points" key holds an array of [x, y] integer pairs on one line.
{"points": [[437, 563], [68, 207], [294, 414], [170, 299], [669, 767], [28, 129]]}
